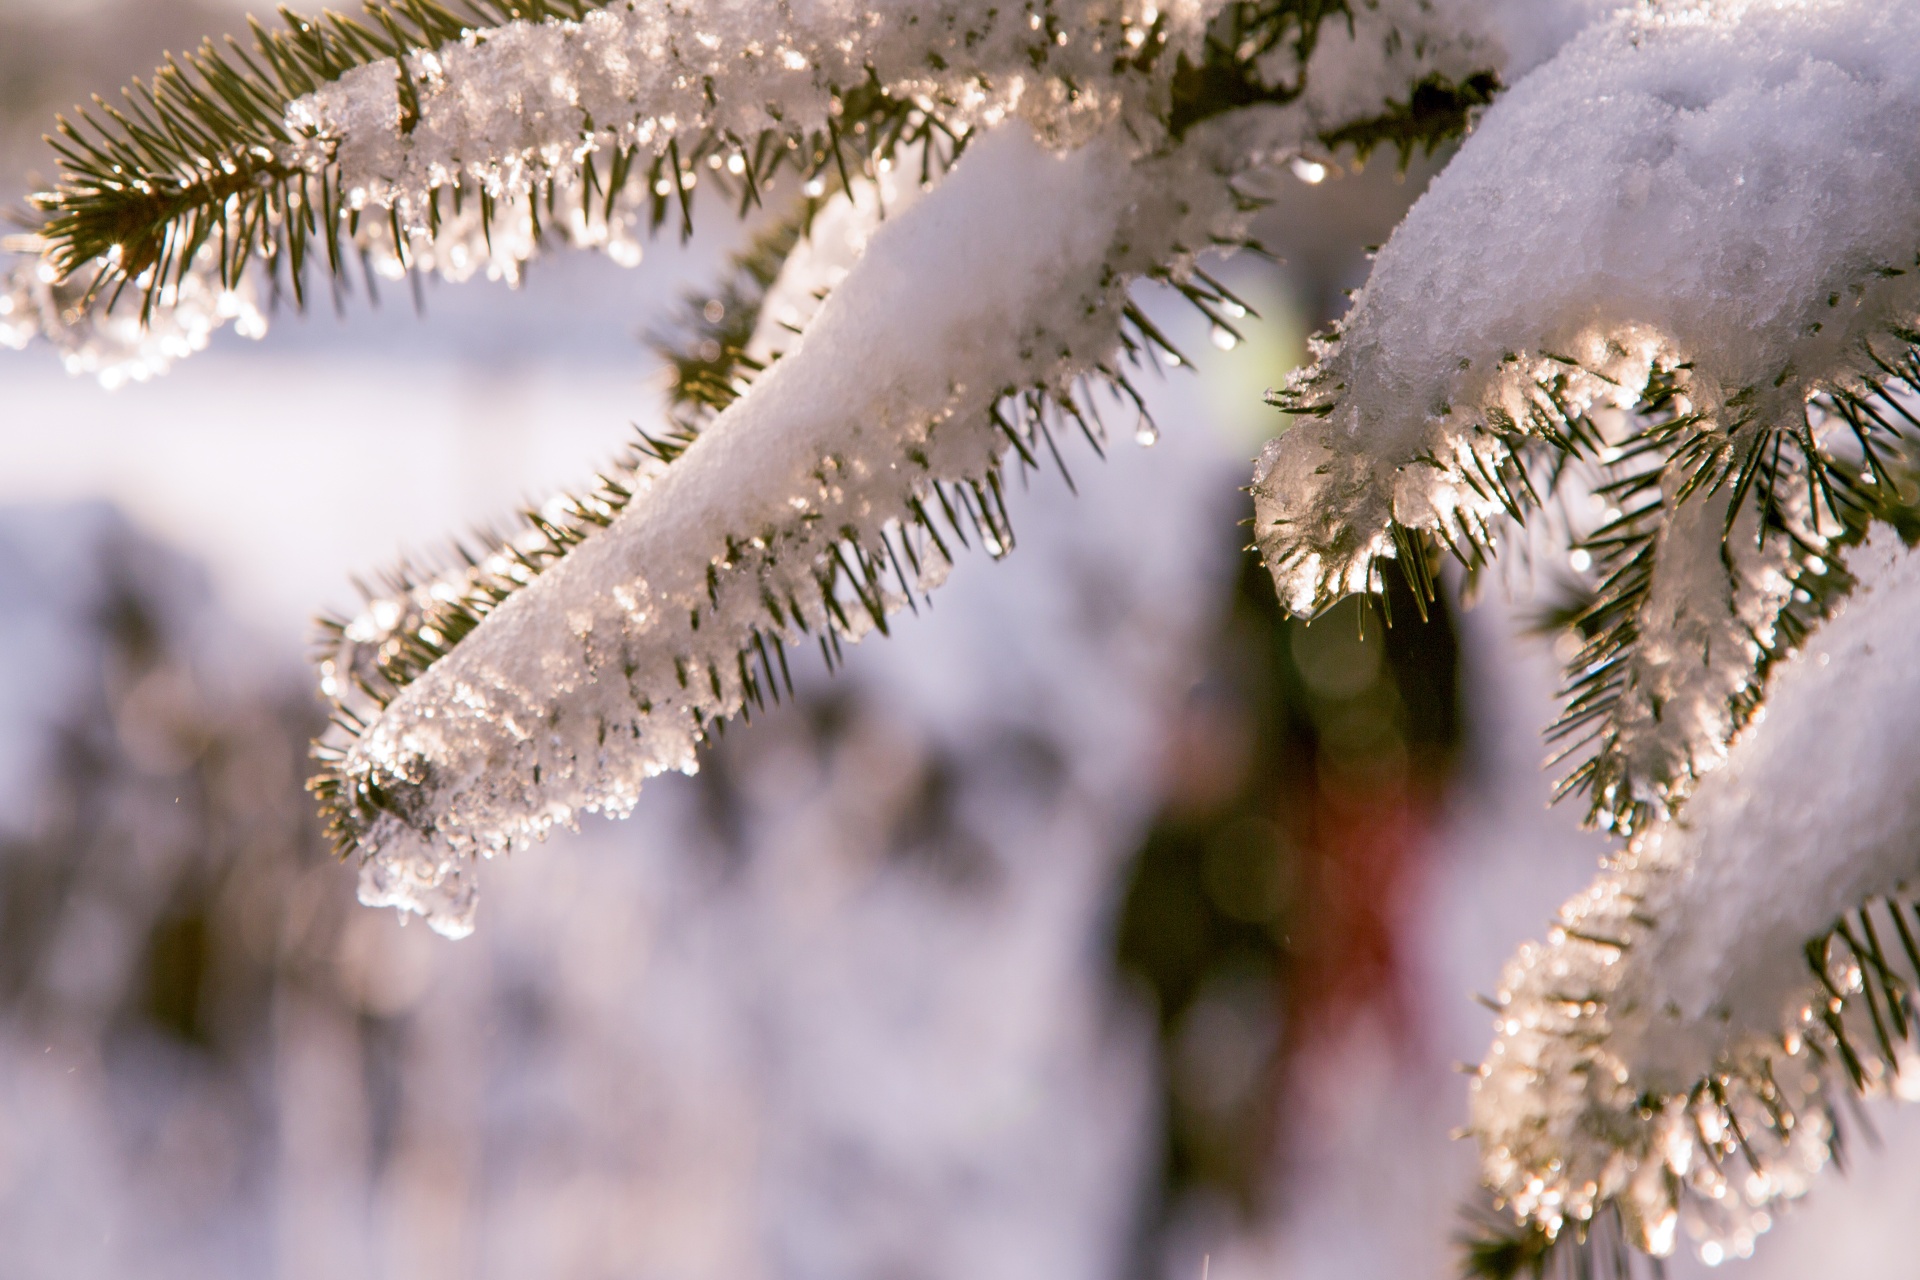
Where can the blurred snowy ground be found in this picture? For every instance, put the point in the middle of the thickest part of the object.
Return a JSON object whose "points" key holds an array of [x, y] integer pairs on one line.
{"points": [[840, 1007]]}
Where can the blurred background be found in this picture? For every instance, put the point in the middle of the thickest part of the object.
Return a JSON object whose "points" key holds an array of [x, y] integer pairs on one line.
{"points": [[1100, 925]]}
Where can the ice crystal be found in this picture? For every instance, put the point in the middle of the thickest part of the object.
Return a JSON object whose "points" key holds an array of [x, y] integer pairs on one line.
{"points": [[121, 346]]}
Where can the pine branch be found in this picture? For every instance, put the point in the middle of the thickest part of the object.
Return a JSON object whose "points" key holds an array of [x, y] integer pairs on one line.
{"points": [[706, 633], [662, 599], [1228, 74], [710, 351], [200, 156], [1497, 1248], [243, 153], [1764, 508], [1750, 467], [222, 162], [1734, 465], [1679, 1044], [1436, 112], [1724, 1148], [1783, 538]]}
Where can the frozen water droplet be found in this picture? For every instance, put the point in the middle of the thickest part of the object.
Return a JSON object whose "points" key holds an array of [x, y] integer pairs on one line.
{"points": [[1224, 338], [1146, 435]]}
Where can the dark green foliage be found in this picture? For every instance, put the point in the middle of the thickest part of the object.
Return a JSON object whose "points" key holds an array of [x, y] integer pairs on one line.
{"points": [[1226, 77], [1500, 1250], [1868, 474], [1856, 1032], [1868, 969], [196, 158], [1869, 479], [707, 346], [1495, 1248], [1437, 112], [852, 577], [193, 157], [1251, 901]]}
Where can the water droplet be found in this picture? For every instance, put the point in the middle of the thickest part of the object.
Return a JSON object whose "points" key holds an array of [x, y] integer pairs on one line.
{"points": [[1146, 435], [1224, 338]]}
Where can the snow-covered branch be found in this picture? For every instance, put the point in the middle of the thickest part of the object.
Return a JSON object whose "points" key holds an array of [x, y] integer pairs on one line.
{"points": [[455, 138], [836, 487], [1670, 287], [1711, 205], [612, 665], [1668, 1048]]}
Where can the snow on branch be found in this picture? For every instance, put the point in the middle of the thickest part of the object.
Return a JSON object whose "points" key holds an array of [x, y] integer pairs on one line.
{"points": [[441, 145], [1671, 289], [1670, 1049], [455, 136], [776, 523], [835, 487], [563, 666], [1650, 255]]}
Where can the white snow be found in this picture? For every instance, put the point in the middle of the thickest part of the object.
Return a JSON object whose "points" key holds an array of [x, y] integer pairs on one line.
{"points": [[602, 672], [1008, 275], [1720, 185], [1709, 623], [1714, 189], [528, 108], [1685, 961]]}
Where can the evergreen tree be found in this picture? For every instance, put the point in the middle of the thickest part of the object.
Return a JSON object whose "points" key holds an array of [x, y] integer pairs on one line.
{"points": [[1656, 321]]}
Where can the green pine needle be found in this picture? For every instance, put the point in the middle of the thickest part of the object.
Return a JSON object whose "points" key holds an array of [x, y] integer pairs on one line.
{"points": [[194, 157]]}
